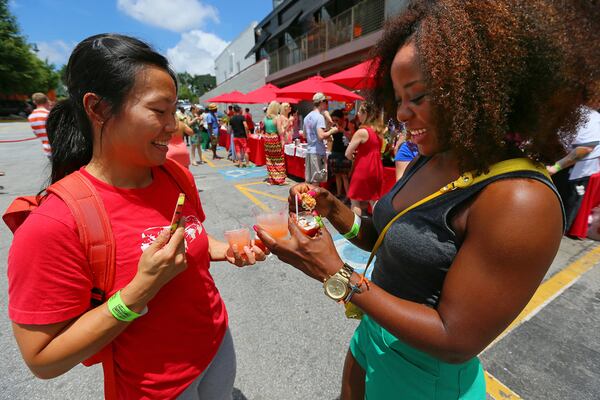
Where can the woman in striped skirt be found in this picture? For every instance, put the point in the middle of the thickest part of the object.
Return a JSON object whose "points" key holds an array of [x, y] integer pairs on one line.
{"points": [[273, 147]]}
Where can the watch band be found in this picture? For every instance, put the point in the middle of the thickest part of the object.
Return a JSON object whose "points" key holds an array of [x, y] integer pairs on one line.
{"points": [[346, 271]]}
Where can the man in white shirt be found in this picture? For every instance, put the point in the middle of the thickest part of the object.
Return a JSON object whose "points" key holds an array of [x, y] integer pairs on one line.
{"points": [[316, 153], [585, 160]]}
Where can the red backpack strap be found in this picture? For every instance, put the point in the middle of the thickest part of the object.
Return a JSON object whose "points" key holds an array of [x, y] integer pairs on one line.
{"points": [[95, 232], [19, 210], [184, 180], [97, 239]]}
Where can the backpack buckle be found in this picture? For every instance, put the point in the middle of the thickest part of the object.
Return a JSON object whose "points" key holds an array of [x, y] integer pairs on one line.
{"points": [[98, 297]]}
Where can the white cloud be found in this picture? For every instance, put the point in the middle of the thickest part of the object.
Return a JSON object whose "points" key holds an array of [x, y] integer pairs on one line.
{"points": [[196, 52], [56, 52], [174, 15]]}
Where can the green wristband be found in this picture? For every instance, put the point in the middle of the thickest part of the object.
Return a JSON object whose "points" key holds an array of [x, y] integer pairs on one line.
{"points": [[120, 311], [355, 228], [557, 166]]}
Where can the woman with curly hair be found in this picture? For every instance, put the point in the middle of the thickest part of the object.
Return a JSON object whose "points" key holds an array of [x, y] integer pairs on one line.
{"points": [[466, 77]]}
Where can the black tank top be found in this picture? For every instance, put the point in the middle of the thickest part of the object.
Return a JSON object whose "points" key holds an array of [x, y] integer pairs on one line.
{"points": [[420, 246]]}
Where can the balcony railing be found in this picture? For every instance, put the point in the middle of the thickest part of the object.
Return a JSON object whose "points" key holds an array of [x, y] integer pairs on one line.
{"points": [[365, 17]]}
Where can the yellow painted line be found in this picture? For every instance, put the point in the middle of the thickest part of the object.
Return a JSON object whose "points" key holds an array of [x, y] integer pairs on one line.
{"points": [[266, 194], [252, 198], [497, 390], [548, 291], [554, 287], [206, 160], [251, 183]]}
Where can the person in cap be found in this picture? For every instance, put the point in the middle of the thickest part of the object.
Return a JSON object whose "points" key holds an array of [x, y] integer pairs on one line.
{"points": [[213, 129], [316, 152]]}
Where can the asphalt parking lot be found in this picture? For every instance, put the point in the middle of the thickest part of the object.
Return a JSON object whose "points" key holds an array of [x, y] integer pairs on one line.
{"points": [[290, 339]]}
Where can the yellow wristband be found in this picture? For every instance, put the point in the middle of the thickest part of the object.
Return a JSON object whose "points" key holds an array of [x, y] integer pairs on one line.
{"points": [[120, 311]]}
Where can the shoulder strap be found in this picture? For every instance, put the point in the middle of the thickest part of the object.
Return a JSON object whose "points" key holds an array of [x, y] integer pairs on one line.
{"points": [[96, 236], [465, 180], [93, 226], [184, 181]]}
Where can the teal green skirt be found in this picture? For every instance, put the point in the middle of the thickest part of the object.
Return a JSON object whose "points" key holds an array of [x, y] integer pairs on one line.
{"points": [[395, 370], [204, 140]]}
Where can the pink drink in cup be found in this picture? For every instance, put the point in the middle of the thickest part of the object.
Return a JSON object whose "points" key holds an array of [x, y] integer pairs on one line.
{"points": [[241, 237], [275, 223]]}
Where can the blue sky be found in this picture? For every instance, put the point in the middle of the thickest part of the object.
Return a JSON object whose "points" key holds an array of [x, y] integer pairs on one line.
{"points": [[191, 33]]}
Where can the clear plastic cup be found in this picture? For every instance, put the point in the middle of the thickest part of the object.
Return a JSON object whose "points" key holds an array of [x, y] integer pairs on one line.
{"points": [[307, 223], [274, 222], [241, 237]]}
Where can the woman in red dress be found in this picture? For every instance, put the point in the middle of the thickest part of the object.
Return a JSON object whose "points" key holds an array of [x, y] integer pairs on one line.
{"points": [[177, 149], [365, 149]]}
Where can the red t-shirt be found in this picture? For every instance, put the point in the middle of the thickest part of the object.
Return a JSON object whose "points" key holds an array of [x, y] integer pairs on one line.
{"points": [[162, 352], [249, 122]]}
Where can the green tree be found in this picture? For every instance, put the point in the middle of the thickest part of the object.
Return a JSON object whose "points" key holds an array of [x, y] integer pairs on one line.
{"points": [[193, 86], [21, 71], [203, 83], [186, 94]]}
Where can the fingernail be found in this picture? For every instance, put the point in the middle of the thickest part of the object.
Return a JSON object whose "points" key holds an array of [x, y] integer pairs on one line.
{"points": [[255, 227], [312, 193]]}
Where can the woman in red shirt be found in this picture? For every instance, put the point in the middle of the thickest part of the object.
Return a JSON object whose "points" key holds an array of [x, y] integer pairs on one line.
{"points": [[114, 129]]}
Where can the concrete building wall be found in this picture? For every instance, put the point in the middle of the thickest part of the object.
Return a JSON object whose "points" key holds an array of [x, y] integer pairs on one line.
{"points": [[247, 80], [393, 7], [233, 59]]}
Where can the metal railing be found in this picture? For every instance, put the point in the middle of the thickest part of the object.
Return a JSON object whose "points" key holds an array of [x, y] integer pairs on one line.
{"points": [[365, 17]]}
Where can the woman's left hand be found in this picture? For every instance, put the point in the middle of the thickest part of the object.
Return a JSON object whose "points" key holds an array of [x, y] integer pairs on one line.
{"points": [[248, 256], [315, 256]]}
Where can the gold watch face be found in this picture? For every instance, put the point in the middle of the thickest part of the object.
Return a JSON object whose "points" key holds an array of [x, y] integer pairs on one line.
{"points": [[336, 288]]}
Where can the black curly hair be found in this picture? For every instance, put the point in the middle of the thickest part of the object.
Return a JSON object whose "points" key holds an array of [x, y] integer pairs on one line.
{"points": [[499, 69]]}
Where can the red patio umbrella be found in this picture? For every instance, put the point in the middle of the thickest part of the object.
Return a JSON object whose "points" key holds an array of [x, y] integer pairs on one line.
{"points": [[232, 97], [307, 88], [357, 77], [218, 99], [266, 94]]}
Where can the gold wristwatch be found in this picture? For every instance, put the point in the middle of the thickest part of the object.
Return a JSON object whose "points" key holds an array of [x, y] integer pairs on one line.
{"points": [[338, 286]]}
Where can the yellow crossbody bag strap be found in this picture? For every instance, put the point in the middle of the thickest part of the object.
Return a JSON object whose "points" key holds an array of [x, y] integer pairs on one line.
{"points": [[465, 180]]}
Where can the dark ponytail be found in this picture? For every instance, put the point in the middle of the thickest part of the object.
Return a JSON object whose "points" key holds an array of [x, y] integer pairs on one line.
{"points": [[107, 65], [71, 145]]}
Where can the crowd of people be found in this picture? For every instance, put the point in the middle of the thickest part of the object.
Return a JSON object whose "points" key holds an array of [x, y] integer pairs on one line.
{"points": [[480, 133], [356, 174]]}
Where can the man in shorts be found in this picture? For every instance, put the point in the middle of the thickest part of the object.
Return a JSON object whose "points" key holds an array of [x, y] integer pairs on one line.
{"points": [[316, 152], [213, 129]]}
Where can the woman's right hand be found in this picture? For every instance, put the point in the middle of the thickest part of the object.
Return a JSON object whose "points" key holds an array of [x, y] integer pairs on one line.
{"points": [[160, 262], [325, 200]]}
